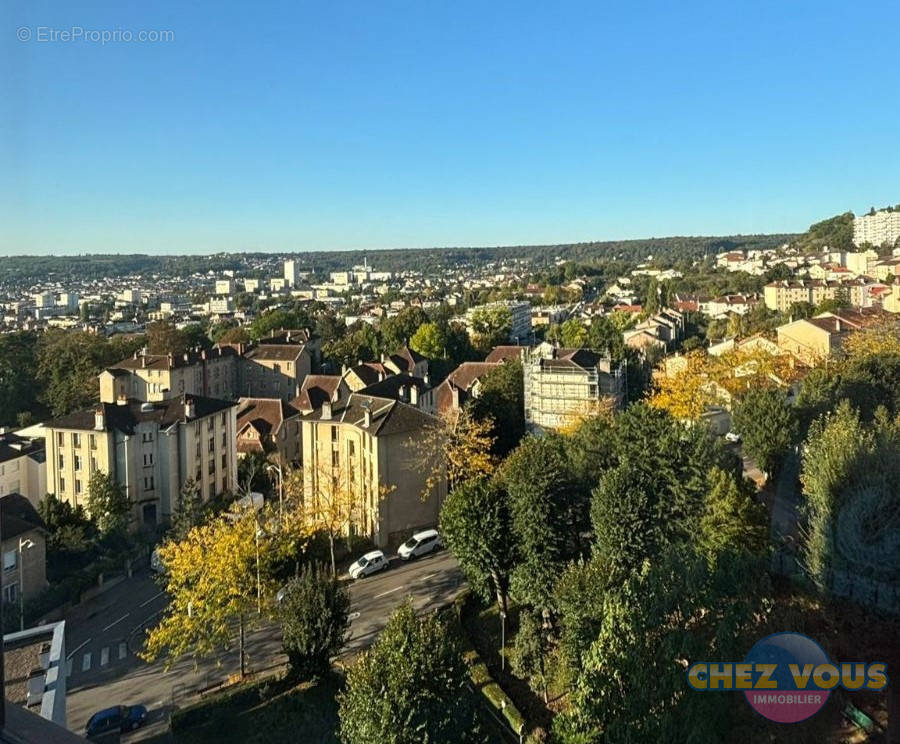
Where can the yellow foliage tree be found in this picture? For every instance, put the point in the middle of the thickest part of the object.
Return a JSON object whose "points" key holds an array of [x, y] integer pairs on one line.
{"points": [[875, 341], [684, 390]]}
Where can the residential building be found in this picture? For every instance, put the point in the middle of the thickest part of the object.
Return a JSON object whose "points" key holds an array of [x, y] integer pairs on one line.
{"points": [[406, 361], [220, 305], [811, 340], [23, 546], [720, 307], [463, 383], [862, 262], [291, 275], [507, 353], [224, 286], [887, 270], [157, 377], [563, 384], [364, 445], [878, 228], [22, 466], [780, 295], [416, 391], [34, 667], [274, 368], [318, 389], [150, 448], [364, 374], [666, 327], [251, 285], [268, 426]]}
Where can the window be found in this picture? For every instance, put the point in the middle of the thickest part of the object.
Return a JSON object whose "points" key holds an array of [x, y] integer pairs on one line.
{"points": [[211, 445], [62, 484], [11, 593], [276, 368], [147, 436], [9, 560], [211, 467], [334, 458], [76, 440], [93, 465], [199, 448], [148, 459], [352, 446], [92, 440], [61, 462], [78, 485], [77, 462], [224, 484], [222, 419], [199, 474], [333, 433], [60, 439], [224, 461], [212, 490], [148, 483], [224, 440]]}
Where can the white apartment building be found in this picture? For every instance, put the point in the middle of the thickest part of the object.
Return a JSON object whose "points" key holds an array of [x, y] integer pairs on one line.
{"points": [[877, 229], [224, 287], [291, 275]]}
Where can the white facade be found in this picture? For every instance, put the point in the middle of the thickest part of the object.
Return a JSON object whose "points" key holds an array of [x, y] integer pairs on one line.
{"points": [[877, 229], [291, 276], [224, 287]]}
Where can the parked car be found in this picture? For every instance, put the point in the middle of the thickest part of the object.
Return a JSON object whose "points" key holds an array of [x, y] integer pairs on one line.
{"points": [[421, 543], [733, 437], [372, 562], [117, 719]]}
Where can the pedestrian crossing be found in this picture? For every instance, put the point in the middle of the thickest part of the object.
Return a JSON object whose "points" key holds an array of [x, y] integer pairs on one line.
{"points": [[91, 660]]}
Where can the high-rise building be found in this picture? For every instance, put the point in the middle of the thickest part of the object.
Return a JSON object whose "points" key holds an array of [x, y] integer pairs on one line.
{"points": [[878, 228], [291, 275]]}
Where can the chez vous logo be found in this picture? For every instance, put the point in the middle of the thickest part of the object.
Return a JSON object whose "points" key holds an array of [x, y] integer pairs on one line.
{"points": [[787, 677]]}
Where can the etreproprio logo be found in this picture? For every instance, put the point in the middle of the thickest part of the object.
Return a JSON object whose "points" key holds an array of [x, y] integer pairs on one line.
{"points": [[787, 677]]}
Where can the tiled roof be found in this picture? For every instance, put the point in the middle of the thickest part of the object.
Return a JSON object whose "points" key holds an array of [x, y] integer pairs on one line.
{"points": [[18, 516], [126, 417], [12, 446], [275, 352], [316, 389], [388, 416], [502, 353], [265, 414], [172, 361]]}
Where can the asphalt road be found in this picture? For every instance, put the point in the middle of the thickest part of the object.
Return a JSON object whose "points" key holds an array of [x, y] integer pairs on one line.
{"points": [[103, 636]]}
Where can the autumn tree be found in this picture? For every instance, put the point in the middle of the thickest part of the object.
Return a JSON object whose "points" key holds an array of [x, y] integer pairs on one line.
{"points": [[430, 340], [108, 503]]}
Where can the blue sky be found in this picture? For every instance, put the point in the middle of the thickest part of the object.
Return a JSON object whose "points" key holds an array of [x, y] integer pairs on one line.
{"points": [[334, 125]]}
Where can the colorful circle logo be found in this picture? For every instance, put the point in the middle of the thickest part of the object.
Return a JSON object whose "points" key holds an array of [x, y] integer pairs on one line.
{"points": [[788, 703]]}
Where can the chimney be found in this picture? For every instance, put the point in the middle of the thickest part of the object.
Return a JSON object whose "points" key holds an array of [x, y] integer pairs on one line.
{"points": [[171, 359], [414, 395], [99, 419], [455, 392], [426, 380], [122, 400], [367, 418], [187, 357], [326, 411], [190, 408], [402, 392], [203, 354]]}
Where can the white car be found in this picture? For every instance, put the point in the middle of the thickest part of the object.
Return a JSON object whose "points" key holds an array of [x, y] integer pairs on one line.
{"points": [[420, 543], [372, 562]]}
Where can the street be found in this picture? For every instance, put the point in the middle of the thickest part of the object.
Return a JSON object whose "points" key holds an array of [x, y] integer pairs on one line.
{"points": [[104, 636]]}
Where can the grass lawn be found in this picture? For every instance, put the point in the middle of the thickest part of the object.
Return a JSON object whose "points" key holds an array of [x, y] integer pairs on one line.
{"points": [[272, 711]]}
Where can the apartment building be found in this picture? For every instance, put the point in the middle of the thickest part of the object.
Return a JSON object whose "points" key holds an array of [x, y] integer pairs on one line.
{"points": [[462, 384], [23, 546], [22, 466], [563, 384], [878, 228], [268, 426], [781, 295], [810, 340], [159, 377], [860, 263], [224, 286], [150, 448], [520, 317], [291, 273], [367, 446], [274, 370]]}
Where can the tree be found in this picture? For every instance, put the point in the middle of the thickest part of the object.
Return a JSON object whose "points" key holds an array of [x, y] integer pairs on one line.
{"points": [[475, 524], [108, 503], [685, 392], [361, 344], [501, 398], [313, 610], [18, 367], [549, 512], [68, 363], [530, 650], [651, 304], [164, 338], [190, 510], [396, 331], [573, 334], [768, 425], [490, 326], [211, 580], [732, 521], [430, 340], [409, 686]]}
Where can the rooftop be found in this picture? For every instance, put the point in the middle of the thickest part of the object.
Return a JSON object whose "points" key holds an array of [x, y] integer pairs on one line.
{"points": [[126, 416]]}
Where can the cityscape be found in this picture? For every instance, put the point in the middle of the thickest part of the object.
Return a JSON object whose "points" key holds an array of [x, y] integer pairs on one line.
{"points": [[282, 468]]}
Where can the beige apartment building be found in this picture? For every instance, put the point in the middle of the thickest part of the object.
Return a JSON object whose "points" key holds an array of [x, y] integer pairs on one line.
{"points": [[368, 446], [159, 377], [22, 467], [274, 370], [781, 295], [150, 448], [23, 546], [811, 340], [270, 427]]}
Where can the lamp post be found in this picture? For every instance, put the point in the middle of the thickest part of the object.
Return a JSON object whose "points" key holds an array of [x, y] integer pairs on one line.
{"points": [[260, 532], [24, 544]]}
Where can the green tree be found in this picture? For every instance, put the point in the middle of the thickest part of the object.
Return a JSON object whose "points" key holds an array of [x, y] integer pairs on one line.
{"points": [[410, 686], [651, 304], [164, 338], [396, 331], [732, 520], [768, 425], [18, 368], [68, 363], [190, 510], [475, 524], [313, 610], [550, 514], [361, 344], [430, 340], [108, 503], [490, 326], [573, 334], [501, 396], [531, 647]]}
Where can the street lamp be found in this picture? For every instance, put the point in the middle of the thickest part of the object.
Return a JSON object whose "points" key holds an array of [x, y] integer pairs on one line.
{"points": [[24, 544], [260, 532]]}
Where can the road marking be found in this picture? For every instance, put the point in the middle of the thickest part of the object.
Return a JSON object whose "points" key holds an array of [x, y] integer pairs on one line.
{"points": [[155, 596], [353, 615], [123, 650], [69, 667], [389, 591], [86, 662], [104, 656], [115, 622], [425, 578], [79, 648]]}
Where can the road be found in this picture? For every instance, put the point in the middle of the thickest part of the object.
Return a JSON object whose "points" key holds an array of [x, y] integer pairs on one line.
{"points": [[104, 636]]}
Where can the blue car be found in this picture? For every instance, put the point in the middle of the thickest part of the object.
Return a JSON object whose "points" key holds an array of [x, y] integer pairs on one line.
{"points": [[121, 718]]}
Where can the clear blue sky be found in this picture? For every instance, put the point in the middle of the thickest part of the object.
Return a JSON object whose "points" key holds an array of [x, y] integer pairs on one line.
{"points": [[333, 125]]}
